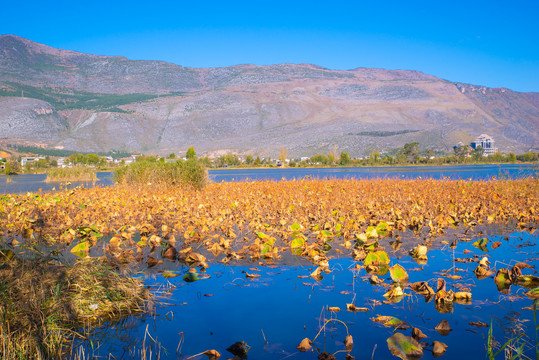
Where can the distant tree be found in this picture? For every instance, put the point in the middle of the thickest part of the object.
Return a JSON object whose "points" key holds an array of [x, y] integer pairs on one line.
{"points": [[283, 155], [344, 158], [411, 152], [478, 152], [428, 154], [319, 159], [249, 159], [257, 161], [54, 163], [374, 156], [529, 156], [12, 168], [191, 153], [461, 152], [172, 156], [511, 157]]}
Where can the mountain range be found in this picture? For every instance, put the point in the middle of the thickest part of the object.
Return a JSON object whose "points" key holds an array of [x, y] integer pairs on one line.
{"points": [[66, 99]]}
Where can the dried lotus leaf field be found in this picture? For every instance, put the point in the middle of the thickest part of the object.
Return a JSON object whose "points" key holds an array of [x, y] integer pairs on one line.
{"points": [[385, 233], [246, 213]]}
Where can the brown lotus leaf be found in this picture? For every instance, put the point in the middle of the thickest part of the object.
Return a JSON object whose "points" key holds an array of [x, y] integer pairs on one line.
{"points": [[304, 345], [251, 275], [375, 280], [418, 334], [438, 348], [440, 284], [482, 273], [334, 309], [151, 261], [523, 265], [404, 347], [170, 253], [422, 288], [353, 308], [462, 295], [349, 343], [496, 244], [443, 328], [478, 324]]}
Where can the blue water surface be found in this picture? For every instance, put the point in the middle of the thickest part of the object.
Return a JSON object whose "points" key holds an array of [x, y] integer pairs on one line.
{"points": [[274, 312], [35, 182]]}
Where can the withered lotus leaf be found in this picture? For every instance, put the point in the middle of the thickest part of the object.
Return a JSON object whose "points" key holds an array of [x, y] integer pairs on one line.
{"points": [[418, 334], [349, 342], [353, 308], [438, 348], [443, 328], [398, 273], [212, 354], [304, 345], [404, 347]]}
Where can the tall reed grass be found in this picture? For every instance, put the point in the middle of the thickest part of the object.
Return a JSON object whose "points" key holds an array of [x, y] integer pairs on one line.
{"points": [[191, 173], [76, 173]]}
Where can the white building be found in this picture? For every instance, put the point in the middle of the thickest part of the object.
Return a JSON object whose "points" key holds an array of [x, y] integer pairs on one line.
{"points": [[29, 160], [487, 143]]}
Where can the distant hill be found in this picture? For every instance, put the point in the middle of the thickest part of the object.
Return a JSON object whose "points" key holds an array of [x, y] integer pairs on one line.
{"points": [[87, 102]]}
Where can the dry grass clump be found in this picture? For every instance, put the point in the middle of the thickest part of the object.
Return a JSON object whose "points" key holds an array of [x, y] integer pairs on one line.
{"points": [[76, 173], [146, 172], [45, 306]]}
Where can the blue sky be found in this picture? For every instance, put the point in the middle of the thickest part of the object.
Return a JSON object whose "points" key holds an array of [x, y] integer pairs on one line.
{"points": [[493, 43]]}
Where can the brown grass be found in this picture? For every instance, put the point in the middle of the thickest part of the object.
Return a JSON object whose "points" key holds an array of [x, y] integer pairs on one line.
{"points": [[45, 306]]}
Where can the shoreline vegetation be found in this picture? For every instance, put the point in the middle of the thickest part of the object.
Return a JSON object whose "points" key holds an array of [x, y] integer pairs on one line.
{"points": [[409, 155], [46, 307], [151, 172], [77, 173]]}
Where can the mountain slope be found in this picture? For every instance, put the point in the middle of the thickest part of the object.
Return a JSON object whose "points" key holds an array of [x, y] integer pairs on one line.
{"points": [[99, 103]]}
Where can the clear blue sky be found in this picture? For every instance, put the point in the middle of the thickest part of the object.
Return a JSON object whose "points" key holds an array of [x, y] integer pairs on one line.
{"points": [[493, 43]]}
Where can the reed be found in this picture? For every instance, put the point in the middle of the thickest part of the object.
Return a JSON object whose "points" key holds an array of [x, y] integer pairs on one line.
{"points": [[190, 173], [45, 307], [76, 173]]}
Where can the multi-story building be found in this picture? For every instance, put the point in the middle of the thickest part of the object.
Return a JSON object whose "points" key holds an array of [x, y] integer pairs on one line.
{"points": [[486, 142]]}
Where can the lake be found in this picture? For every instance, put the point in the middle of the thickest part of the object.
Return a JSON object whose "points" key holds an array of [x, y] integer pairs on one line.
{"points": [[275, 311], [34, 182]]}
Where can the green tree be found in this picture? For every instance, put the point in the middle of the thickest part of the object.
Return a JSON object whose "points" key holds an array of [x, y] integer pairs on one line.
{"points": [[374, 156], [511, 157], [478, 152], [191, 153], [319, 159], [257, 161], [172, 156], [461, 152], [249, 159], [344, 158], [411, 152]]}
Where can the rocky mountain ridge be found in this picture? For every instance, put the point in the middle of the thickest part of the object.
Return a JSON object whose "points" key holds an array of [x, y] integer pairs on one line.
{"points": [[100, 103]]}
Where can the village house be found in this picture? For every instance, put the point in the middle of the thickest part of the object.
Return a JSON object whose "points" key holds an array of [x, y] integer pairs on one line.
{"points": [[29, 160]]}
